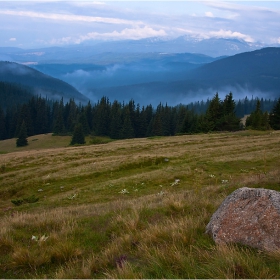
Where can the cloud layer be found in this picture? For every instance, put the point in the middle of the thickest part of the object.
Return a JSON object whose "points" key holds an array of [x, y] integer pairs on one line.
{"points": [[34, 24]]}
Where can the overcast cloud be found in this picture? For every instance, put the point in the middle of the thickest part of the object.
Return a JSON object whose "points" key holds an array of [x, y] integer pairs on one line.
{"points": [[31, 24]]}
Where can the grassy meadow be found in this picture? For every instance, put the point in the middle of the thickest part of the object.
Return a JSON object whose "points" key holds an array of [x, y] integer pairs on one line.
{"points": [[133, 208]]}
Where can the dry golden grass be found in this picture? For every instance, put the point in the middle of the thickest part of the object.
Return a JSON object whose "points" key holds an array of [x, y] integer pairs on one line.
{"points": [[132, 208]]}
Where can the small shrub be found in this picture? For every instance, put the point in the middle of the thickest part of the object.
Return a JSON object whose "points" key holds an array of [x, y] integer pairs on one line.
{"points": [[30, 199], [17, 202], [78, 135], [96, 140]]}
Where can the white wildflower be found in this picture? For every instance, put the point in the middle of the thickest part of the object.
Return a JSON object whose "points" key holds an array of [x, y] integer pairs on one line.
{"points": [[244, 170], [35, 238], [124, 191], [43, 238], [161, 193], [176, 182], [72, 197]]}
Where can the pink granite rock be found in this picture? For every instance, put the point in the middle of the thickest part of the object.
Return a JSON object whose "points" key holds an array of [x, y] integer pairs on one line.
{"points": [[248, 216]]}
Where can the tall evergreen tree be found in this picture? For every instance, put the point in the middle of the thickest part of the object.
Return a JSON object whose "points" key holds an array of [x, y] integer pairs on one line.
{"points": [[127, 128], [70, 115], [102, 117], [229, 121], [25, 114], [180, 116], [58, 120], [214, 114], [83, 121], [274, 117], [189, 123], [140, 124], [157, 126], [89, 115], [116, 121], [166, 120], [22, 136], [3, 131], [258, 120]]}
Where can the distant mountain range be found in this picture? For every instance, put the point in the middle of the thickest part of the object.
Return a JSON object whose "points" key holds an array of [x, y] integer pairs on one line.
{"points": [[90, 53], [211, 47], [37, 82], [145, 77]]}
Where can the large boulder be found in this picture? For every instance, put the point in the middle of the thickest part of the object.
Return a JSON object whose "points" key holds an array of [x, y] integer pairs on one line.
{"points": [[248, 216]]}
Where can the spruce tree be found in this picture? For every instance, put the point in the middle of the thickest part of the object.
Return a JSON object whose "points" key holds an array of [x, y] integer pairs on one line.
{"points": [[78, 135], [258, 120], [214, 114], [58, 120], [274, 117], [229, 121], [22, 136], [127, 128], [116, 121], [83, 121], [3, 132]]}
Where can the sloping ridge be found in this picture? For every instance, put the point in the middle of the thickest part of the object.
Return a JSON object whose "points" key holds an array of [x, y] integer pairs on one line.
{"points": [[257, 69], [38, 82], [256, 72]]}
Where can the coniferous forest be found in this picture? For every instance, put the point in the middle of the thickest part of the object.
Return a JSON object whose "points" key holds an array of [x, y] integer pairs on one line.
{"points": [[121, 121]]}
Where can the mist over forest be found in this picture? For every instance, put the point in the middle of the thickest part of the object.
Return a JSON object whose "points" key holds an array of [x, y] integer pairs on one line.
{"points": [[152, 78], [85, 73]]}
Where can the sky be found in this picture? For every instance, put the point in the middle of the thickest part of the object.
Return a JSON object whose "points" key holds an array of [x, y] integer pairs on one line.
{"points": [[38, 24]]}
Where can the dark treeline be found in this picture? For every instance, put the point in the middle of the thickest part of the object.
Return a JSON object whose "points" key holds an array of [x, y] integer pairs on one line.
{"points": [[243, 106], [119, 121]]}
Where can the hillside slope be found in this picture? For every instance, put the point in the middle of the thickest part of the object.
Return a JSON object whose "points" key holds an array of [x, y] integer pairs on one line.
{"points": [[12, 94], [256, 70], [130, 209], [37, 82]]}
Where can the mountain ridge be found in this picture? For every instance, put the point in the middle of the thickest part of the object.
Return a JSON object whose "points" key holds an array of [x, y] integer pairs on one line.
{"points": [[249, 73], [39, 83]]}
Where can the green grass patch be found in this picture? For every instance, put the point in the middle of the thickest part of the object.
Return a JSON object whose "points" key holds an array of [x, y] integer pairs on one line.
{"points": [[131, 208], [96, 140]]}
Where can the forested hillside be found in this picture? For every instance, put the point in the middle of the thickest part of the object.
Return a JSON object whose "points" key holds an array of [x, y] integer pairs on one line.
{"points": [[13, 94], [258, 69], [37, 82]]}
